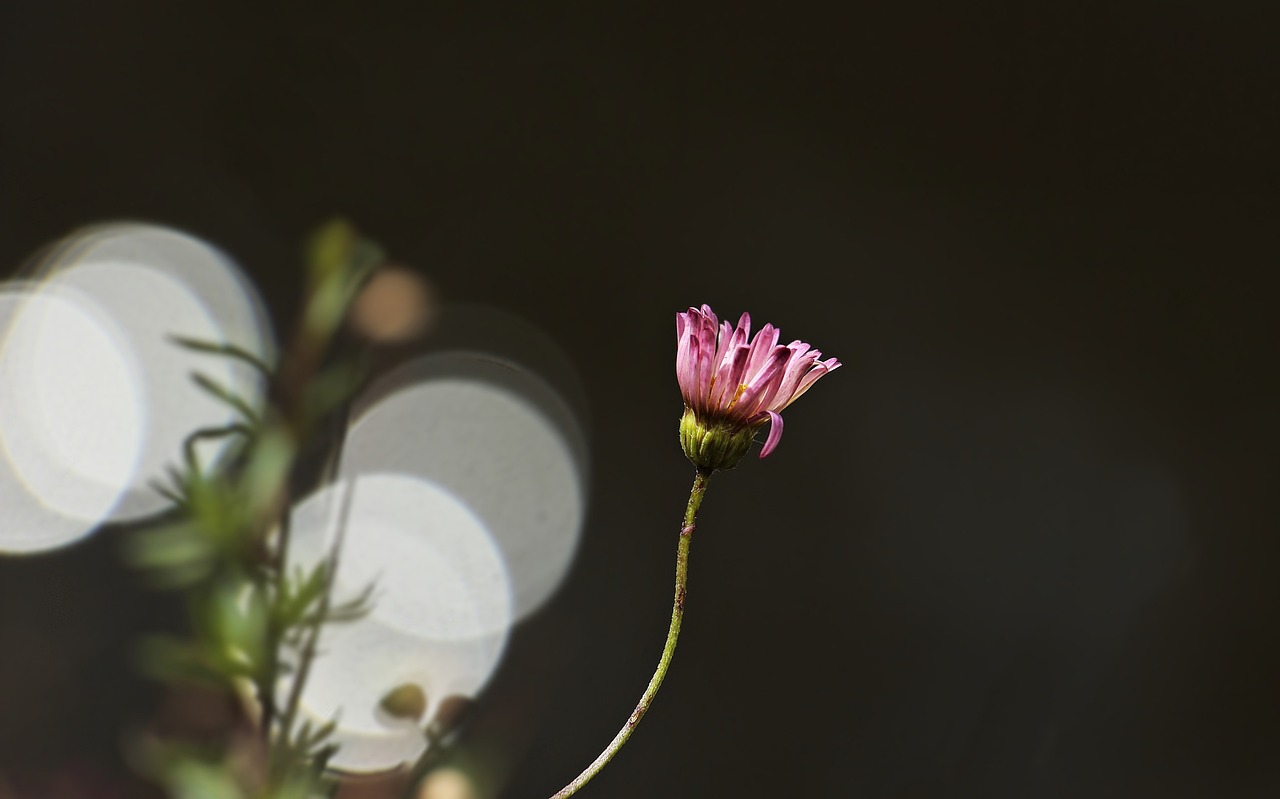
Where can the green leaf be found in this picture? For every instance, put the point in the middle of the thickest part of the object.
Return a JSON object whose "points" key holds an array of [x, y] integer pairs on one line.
{"points": [[309, 738], [269, 463], [178, 554], [189, 454], [329, 250], [227, 350], [166, 492], [338, 262], [353, 609], [299, 593], [192, 779], [330, 388], [222, 393], [238, 620]]}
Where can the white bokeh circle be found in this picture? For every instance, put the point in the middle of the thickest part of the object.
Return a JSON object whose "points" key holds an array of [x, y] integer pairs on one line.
{"points": [[71, 417], [487, 432], [97, 397], [441, 609]]}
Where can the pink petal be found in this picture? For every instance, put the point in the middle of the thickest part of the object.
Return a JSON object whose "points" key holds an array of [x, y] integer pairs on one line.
{"points": [[764, 384], [739, 336], [796, 370], [818, 370], [775, 434], [761, 349], [799, 347], [706, 360], [729, 379], [725, 359], [687, 366], [714, 359]]}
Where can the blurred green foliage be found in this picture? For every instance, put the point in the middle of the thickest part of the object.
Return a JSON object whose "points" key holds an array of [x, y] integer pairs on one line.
{"points": [[253, 622]]}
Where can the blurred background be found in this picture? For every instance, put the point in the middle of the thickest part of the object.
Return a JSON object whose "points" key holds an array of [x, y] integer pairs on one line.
{"points": [[1022, 545]]}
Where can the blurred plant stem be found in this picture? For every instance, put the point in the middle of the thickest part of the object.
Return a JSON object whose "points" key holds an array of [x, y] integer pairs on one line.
{"points": [[228, 550]]}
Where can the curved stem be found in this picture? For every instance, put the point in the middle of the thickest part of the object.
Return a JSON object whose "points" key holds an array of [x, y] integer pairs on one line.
{"points": [[673, 633]]}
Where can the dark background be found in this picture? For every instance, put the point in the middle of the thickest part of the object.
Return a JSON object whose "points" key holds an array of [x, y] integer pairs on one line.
{"points": [[1022, 545]]}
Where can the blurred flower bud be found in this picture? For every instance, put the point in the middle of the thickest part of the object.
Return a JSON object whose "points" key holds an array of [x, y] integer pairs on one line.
{"points": [[407, 702]]}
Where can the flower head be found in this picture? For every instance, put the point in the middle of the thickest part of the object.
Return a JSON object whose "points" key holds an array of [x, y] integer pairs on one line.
{"points": [[732, 384]]}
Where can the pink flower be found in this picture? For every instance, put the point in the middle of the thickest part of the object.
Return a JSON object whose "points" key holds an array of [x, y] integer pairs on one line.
{"points": [[733, 383]]}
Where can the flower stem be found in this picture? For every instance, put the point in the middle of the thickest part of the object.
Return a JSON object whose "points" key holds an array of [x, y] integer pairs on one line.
{"points": [[677, 615]]}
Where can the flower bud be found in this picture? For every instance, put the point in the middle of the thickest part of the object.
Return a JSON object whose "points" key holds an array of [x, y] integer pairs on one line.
{"points": [[405, 701], [733, 383], [717, 445]]}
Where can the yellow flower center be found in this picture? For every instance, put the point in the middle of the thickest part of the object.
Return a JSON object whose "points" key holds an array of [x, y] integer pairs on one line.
{"points": [[737, 395]]}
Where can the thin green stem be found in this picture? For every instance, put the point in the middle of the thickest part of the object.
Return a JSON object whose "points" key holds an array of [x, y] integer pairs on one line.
{"points": [[309, 647], [677, 615], [271, 672]]}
